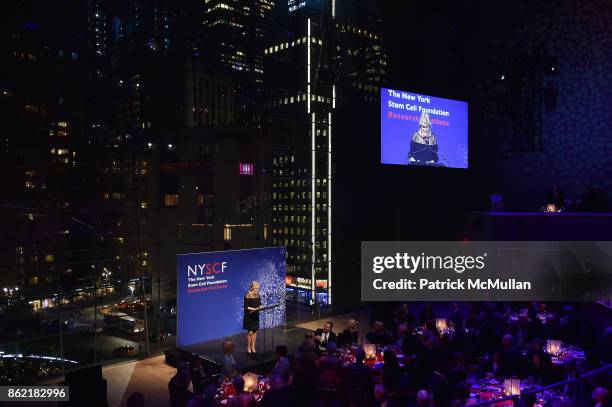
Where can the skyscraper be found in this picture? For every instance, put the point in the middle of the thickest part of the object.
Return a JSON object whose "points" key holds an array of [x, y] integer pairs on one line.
{"points": [[233, 38], [42, 107], [308, 78]]}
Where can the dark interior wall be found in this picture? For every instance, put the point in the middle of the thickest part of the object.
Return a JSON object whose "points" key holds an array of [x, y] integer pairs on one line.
{"points": [[572, 41], [458, 50]]}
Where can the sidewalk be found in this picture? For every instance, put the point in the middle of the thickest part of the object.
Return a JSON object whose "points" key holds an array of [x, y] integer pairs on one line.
{"points": [[149, 377]]}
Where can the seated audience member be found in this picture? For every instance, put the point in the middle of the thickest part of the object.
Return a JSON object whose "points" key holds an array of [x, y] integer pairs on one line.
{"points": [[424, 399], [536, 345], [392, 373], [427, 354], [208, 396], [304, 381], [456, 372], [330, 356], [358, 380], [473, 319], [378, 335], [199, 376], [426, 314], [242, 398], [594, 200], [457, 317], [572, 389], [179, 388], [569, 325], [282, 366], [279, 394], [381, 396], [306, 353], [461, 395], [411, 344], [492, 366], [135, 400], [229, 363], [349, 336], [403, 315], [431, 327], [440, 387], [324, 335], [555, 197], [400, 334], [601, 397], [539, 369], [511, 358], [358, 366], [330, 369]]}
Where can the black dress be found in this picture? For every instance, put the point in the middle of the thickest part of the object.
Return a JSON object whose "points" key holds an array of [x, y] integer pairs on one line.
{"points": [[250, 321]]}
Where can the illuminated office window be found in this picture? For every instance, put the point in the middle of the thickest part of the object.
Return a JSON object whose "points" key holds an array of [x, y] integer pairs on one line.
{"points": [[246, 169], [171, 199]]}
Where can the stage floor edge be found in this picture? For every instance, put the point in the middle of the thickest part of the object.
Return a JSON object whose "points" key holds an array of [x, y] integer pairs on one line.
{"points": [[267, 340]]}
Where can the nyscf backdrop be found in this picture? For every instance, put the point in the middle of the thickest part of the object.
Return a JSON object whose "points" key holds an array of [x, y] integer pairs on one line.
{"points": [[211, 288]]}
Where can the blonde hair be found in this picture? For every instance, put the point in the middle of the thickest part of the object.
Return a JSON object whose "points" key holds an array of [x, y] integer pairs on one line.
{"points": [[352, 323], [252, 286], [228, 346]]}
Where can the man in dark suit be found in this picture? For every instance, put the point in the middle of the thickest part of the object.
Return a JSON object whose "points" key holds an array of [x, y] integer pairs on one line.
{"points": [[324, 335], [358, 380], [279, 395]]}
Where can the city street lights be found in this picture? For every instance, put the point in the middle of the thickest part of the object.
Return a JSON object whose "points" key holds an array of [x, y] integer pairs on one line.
{"points": [[10, 291]]}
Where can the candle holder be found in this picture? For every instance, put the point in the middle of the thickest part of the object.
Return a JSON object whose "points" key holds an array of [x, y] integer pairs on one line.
{"points": [[553, 347], [370, 350], [441, 324], [251, 382], [512, 387]]}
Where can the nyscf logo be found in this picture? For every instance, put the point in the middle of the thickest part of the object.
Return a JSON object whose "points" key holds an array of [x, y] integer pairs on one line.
{"points": [[206, 268]]}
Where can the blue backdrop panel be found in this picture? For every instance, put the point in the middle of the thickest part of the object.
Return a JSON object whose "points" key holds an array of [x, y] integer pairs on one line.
{"points": [[211, 288]]}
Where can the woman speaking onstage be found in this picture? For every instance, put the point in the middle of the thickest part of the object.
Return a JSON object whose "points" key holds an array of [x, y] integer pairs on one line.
{"points": [[252, 304]]}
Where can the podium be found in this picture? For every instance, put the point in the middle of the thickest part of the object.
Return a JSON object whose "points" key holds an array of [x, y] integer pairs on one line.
{"points": [[264, 309]]}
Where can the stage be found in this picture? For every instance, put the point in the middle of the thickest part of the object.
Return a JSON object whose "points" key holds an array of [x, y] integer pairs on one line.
{"points": [[267, 339]]}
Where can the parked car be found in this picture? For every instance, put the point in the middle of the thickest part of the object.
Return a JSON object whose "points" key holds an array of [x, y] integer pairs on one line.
{"points": [[123, 351]]}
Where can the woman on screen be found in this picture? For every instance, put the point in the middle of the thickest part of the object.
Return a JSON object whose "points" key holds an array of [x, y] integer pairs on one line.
{"points": [[252, 305], [423, 146]]}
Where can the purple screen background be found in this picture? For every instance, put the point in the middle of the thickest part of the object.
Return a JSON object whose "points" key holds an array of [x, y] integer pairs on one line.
{"points": [[395, 134]]}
